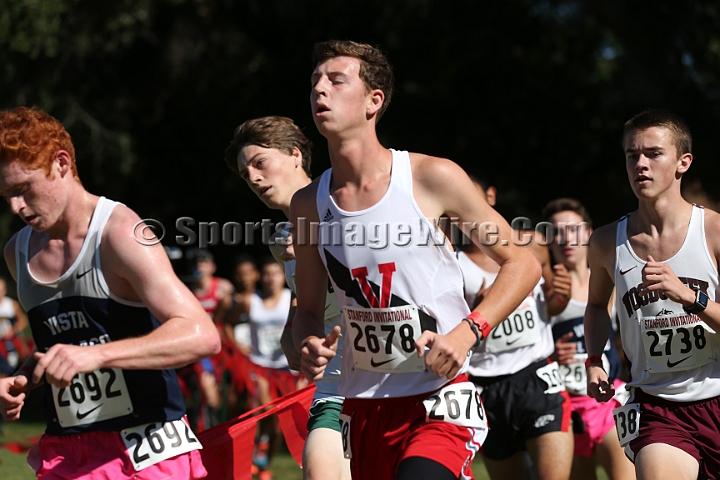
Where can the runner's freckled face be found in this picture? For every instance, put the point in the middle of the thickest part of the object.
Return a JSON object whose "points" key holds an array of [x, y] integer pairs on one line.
{"points": [[652, 161], [31, 194], [570, 245], [270, 173], [339, 98]]}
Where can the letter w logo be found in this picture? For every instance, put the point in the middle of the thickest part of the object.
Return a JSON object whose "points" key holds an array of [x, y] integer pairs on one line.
{"points": [[386, 269]]}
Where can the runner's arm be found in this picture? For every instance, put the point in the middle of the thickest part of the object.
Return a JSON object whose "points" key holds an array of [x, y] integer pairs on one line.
{"points": [[286, 340], [310, 281], [601, 257], [554, 301], [442, 187], [143, 274]]}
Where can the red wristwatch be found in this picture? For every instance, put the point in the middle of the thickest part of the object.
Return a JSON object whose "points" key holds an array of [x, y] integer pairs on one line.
{"points": [[479, 321], [594, 360]]}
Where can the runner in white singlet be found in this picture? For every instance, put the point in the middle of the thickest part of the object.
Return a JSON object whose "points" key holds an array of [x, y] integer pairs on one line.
{"points": [[595, 435], [512, 371], [663, 261], [273, 156], [374, 220]]}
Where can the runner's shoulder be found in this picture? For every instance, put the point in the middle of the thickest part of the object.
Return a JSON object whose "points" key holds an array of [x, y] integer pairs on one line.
{"points": [[712, 231], [438, 174], [304, 200], [602, 240]]}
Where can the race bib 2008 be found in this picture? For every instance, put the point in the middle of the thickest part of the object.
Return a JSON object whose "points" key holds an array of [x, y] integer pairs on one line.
{"points": [[520, 329]]}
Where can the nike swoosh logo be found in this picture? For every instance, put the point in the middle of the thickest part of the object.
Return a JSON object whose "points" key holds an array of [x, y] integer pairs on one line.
{"points": [[375, 365], [80, 275], [510, 343], [80, 416], [623, 272], [675, 364]]}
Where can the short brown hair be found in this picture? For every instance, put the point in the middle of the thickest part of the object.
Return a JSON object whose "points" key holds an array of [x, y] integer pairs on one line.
{"points": [[566, 205], [375, 70], [662, 118], [279, 133], [32, 137]]}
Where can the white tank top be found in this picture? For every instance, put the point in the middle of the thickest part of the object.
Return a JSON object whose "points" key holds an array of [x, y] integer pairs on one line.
{"points": [[327, 386], [7, 316], [525, 337], [672, 354], [266, 327], [394, 276]]}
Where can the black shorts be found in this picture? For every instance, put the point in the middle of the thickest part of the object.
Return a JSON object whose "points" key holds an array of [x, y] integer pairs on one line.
{"points": [[518, 409]]}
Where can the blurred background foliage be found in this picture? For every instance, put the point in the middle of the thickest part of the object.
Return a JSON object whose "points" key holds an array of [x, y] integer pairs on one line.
{"points": [[532, 93]]}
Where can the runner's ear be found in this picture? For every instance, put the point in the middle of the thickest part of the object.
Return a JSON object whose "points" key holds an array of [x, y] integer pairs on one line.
{"points": [[684, 162]]}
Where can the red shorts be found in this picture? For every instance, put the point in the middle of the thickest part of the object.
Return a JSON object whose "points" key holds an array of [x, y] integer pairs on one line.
{"points": [[102, 455], [386, 431], [693, 427]]}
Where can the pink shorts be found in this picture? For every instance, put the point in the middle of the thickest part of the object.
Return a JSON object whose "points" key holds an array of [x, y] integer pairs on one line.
{"points": [[597, 419], [102, 455]]}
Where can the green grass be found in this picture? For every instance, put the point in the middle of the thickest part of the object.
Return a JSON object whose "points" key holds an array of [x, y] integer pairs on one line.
{"points": [[14, 466]]}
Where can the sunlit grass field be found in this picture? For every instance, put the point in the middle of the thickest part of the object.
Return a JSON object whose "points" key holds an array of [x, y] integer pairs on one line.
{"points": [[14, 467]]}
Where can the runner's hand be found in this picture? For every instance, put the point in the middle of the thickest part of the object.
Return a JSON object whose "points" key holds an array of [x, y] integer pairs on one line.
{"points": [[562, 282], [565, 350], [659, 276], [12, 396], [447, 352], [598, 386], [62, 362], [316, 354], [480, 295]]}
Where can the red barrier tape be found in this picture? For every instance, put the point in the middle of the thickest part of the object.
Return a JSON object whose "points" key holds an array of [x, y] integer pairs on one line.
{"points": [[228, 448], [20, 447]]}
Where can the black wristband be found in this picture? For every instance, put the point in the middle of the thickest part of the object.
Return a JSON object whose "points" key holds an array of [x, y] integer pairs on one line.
{"points": [[475, 330]]}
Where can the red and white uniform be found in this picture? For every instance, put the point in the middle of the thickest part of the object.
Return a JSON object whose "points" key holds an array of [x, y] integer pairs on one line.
{"points": [[394, 276], [209, 300], [672, 354]]}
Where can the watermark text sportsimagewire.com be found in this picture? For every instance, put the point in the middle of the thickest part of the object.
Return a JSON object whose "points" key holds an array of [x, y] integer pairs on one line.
{"points": [[374, 235]]}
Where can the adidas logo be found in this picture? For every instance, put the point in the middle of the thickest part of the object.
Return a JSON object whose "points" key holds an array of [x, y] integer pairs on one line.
{"points": [[328, 216], [544, 420]]}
